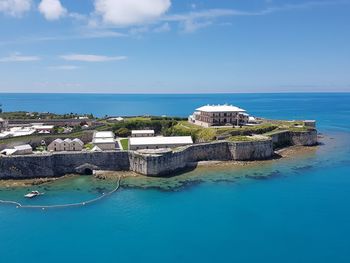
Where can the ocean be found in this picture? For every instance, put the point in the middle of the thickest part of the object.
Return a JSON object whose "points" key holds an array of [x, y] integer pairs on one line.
{"points": [[298, 213]]}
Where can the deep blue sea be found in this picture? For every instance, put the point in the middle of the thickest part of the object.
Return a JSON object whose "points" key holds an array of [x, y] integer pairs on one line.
{"points": [[300, 215]]}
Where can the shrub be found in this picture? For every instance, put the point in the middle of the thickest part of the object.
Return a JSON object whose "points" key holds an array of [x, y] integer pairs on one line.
{"points": [[123, 132]]}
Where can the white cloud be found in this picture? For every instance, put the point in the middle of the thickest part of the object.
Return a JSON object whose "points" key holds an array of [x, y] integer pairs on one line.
{"points": [[64, 67], [195, 20], [17, 57], [130, 12], [91, 58], [190, 26], [15, 7], [52, 9], [163, 28]]}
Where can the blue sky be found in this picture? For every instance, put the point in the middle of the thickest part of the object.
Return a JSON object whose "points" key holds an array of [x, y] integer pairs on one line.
{"points": [[173, 46]]}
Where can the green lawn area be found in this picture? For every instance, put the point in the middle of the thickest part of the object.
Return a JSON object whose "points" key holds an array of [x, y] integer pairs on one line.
{"points": [[201, 134], [125, 144]]}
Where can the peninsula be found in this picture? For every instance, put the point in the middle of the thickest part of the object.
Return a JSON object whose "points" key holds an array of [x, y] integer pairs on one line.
{"points": [[50, 145]]}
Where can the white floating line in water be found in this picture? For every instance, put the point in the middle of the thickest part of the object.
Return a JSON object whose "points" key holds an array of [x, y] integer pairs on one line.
{"points": [[43, 207]]}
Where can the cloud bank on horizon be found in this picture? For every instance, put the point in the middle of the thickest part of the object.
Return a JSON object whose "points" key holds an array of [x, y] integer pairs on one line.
{"points": [[174, 46]]}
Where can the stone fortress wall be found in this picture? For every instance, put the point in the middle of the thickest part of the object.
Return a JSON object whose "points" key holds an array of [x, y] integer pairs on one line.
{"points": [[156, 163]]}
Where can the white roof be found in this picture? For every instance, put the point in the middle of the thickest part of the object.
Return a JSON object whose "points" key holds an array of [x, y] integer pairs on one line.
{"points": [[23, 147], [172, 140], [8, 151], [58, 140], [78, 141], [116, 118], [20, 131], [142, 131], [220, 108], [103, 140], [67, 140], [43, 127], [104, 134], [96, 149]]}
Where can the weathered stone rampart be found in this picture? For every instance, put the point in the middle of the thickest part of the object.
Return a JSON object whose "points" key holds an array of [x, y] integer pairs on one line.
{"points": [[286, 138], [59, 164], [151, 163]]}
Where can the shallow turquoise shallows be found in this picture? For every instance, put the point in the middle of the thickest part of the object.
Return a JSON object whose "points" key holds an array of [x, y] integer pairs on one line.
{"points": [[301, 214]]}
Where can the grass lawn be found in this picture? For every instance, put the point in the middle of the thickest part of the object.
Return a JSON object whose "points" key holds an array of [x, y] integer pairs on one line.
{"points": [[125, 144]]}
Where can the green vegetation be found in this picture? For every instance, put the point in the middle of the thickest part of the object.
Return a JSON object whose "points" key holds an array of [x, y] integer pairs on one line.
{"points": [[200, 134], [23, 115], [125, 144], [40, 148], [88, 146], [241, 138], [159, 126], [58, 129]]}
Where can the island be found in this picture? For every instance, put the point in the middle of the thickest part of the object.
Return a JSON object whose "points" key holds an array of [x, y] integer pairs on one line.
{"points": [[148, 145]]}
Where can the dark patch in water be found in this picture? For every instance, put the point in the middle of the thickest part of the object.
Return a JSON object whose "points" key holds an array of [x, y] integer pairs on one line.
{"points": [[183, 185], [99, 190], [227, 181], [345, 162], [302, 168], [261, 176], [186, 185]]}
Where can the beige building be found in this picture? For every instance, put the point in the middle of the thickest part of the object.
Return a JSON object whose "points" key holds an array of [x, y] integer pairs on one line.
{"points": [[104, 140], [219, 115], [142, 133], [3, 124], [137, 143], [60, 145]]}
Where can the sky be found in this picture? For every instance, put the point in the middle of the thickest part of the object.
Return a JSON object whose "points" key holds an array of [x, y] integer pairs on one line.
{"points": [[174, 46]]}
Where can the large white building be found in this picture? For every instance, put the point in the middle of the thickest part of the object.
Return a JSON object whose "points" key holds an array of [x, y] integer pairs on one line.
{"points": [[219, 115], [136, 143], [104, 140]]}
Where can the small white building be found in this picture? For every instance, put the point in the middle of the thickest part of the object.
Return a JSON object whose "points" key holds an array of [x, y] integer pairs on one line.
{"points": [[136, 143], [310, 123], [142, 133], [18, 150], [41, 128], [23, 149], [104, 140], [117, 119]]}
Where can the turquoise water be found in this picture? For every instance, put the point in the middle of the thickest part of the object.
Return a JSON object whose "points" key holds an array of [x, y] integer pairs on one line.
{"points": [[300, 214]]}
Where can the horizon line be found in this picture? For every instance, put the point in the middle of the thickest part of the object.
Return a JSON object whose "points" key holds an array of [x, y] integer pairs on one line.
{"points": [[177, 93]]}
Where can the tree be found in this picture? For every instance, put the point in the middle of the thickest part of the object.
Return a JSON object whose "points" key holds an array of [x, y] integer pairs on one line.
{"points": [[123, 132]]}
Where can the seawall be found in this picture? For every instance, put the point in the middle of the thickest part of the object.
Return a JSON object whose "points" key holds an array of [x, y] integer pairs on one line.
{"points": [[147, 162]]}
